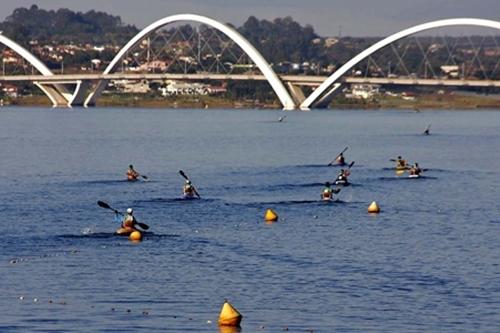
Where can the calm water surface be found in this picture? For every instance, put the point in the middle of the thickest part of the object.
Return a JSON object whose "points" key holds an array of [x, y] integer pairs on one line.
{"points": [[428, 263]]}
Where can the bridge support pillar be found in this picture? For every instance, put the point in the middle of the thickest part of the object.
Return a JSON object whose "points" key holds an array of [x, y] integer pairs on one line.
{"points": [[53, 93], [60, 95], [296, 92], [325, 100], [92, 97], [78, 97]]}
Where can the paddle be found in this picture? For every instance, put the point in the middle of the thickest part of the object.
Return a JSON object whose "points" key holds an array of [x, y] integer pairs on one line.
{"points": [[187, 178], [347, 171], [427, 130], [105, 205], [142, 176], [343, 151]]}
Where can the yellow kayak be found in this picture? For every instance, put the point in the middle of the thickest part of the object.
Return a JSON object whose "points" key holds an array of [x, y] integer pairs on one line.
{"points": [[125, 231]]}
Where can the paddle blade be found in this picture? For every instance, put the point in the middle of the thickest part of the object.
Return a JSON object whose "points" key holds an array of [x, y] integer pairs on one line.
{"points": [[343, 151], [183, 174], [143, 225], [350, 165], [103, 204]]}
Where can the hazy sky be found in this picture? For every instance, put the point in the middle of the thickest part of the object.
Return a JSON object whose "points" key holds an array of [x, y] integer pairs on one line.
{"points": [[355, 17]]}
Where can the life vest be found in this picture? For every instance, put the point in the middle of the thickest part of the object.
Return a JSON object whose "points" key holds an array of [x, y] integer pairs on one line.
{"points": [[415, 171], [128, 221], [132, 174], [188, 189]]}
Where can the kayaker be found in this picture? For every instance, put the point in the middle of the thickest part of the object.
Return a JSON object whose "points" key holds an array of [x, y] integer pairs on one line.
{"points": [[132, 175], [341, 159], [188, 190], [128, 223], [342, 176], [327, 193], [400, 163], [415, 170], [427, 130]]}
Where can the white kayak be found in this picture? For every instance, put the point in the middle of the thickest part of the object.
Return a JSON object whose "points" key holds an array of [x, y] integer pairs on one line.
{"points": [[341, 182]]}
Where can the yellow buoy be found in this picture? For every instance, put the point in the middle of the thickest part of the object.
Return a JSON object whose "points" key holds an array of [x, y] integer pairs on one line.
{"points": [[373, 208], [229, 329], [271, 215], [135, 236], [229, 316]]}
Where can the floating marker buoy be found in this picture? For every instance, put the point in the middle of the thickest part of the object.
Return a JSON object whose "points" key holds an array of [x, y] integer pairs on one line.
{"points": [[229, 316], [373, 208], [135, 236], [229, 329], [271, 215]]}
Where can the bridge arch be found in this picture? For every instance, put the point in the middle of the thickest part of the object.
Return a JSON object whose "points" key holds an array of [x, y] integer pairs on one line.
{"points": [[56, 92], [326, 86], [249, 49], [28, 56]]}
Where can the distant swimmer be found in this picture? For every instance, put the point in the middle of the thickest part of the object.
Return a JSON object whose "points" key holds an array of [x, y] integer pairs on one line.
{"points": [[427, 130], [280, 119]]}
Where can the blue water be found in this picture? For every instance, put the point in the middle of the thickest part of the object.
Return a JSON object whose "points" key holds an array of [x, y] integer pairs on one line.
{"points": [[428, 263]]}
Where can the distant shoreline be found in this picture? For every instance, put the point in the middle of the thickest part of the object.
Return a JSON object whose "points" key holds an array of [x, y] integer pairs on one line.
{"points": [[421, 102]]}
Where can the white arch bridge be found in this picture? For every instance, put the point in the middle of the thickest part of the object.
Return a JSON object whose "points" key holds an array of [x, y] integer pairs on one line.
{"points": [[58, 87]]}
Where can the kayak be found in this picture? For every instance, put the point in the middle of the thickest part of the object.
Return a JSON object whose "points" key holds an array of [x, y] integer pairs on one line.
{"points": [[414, 176], [125, 231], [342, 182], [401, 168], [189, 197], [400, 172]]}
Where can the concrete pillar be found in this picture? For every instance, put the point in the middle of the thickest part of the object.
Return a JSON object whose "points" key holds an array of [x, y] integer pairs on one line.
{"points": [[296, 92]]}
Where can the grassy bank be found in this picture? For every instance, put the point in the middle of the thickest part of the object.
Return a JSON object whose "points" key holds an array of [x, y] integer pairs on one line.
{"points": [[430, 101]]}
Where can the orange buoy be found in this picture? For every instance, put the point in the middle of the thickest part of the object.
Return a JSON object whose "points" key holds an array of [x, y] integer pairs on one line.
{"points": [[271, 216], [229, 316], [374, 208], [135, 236]]}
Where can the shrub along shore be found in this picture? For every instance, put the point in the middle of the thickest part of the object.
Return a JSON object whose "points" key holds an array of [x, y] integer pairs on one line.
{"points": [[421, 102]]}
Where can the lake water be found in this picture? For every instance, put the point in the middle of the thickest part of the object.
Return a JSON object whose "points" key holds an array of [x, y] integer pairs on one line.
{"points": [[429, 262]]}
